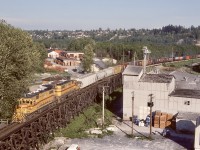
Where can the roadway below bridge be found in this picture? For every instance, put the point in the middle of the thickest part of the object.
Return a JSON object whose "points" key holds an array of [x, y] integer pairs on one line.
{"points": [[120, 141]]}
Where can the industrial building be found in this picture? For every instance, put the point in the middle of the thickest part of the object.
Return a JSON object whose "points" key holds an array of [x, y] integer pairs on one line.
{"points": [[167, 94]]}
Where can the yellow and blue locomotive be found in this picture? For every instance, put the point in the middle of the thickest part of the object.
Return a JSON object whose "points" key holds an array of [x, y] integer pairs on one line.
{"points": [[47, 94]]}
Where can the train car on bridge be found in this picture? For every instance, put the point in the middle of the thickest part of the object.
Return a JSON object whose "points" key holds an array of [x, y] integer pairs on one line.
{"points": [[43, 97], [48, 94], [33, 101]]}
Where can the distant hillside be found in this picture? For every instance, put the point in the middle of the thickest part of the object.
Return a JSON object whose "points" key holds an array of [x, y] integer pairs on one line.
{"points": [[164, 42], [166, 34]]}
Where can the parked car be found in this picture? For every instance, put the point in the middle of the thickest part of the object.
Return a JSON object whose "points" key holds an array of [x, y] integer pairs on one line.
{"points": [[73, 147]]}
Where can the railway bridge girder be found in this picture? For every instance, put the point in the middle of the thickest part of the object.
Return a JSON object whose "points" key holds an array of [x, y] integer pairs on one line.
{"points": [[38, 129]]}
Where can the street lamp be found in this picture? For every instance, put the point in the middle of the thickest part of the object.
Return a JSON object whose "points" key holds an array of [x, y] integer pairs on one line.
{"points": [[132, 110], [150, 104]]}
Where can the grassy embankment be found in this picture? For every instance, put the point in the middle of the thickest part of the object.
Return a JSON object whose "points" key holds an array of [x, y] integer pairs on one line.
{"points": [[88, 119]]}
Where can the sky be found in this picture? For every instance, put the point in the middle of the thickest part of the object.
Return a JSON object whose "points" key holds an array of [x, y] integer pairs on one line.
{"points": [[95, 14]]}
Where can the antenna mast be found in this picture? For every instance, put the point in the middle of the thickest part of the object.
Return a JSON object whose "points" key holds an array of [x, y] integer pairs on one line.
{"points": [[145, 52]]}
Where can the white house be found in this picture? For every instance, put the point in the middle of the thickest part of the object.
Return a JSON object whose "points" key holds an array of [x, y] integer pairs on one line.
{"points": [[74, 54], [53, 54]]}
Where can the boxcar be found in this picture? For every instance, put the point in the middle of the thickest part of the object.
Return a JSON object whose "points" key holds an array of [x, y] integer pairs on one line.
{"points": [[87, 79]]}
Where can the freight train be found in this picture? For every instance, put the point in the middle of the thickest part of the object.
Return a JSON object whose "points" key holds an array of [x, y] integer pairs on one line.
{"points": [[49, 94], [165, 60]]}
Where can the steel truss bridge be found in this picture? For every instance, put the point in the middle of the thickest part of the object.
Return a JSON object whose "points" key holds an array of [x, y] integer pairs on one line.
{"points": [[38, 129]]}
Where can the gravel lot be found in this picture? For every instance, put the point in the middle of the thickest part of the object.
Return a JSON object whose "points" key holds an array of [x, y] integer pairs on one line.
{"points": [[119, 140]]}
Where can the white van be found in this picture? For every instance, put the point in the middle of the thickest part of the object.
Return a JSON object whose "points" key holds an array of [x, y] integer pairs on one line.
{"points": [[73, 147]]}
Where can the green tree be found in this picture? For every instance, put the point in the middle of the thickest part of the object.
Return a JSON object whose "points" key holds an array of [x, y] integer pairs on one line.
{"points": [[88, 57], [19, 59], [79, 44], [41, 53]]}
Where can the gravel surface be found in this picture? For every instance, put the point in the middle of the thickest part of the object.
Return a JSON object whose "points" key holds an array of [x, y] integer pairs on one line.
{"points": [[120, 141]]}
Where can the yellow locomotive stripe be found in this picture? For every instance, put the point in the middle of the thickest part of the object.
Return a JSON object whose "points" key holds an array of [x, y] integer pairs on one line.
{"points": [[38, 102], [65, 89]]}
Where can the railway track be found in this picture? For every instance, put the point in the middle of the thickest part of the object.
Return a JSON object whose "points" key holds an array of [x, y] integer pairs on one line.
{"points": [[29, 134]]}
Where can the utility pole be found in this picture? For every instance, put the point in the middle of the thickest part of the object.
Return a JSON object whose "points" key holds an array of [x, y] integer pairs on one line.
{"points": [[132, 111], [103, 92], [150, 104], [110, 52], [123, 55]]}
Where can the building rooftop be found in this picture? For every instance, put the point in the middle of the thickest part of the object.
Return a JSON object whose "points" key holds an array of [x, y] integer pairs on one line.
{"points": [[186, 80], [99, 63], [58, 51], [186, 93], [74, 52], [183, 76], [187, 115], [156, 78], [132, 70]]}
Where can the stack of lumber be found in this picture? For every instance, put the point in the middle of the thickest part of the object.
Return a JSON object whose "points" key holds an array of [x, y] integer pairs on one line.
{"points": [[163, 119], [169, 120], [157, 119]]}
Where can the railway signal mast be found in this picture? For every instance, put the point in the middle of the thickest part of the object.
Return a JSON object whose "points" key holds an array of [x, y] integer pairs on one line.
{"points": [[145, 53]]}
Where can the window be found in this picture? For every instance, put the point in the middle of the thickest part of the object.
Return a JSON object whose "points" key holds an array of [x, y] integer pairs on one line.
{"points": [[187, 102]]}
